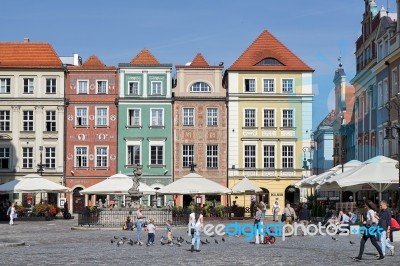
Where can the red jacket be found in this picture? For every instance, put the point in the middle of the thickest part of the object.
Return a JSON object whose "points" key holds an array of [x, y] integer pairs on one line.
{"points": [[394, 224]]}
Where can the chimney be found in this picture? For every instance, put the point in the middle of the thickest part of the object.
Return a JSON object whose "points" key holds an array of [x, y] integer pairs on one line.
{"points": [[26, 40]]}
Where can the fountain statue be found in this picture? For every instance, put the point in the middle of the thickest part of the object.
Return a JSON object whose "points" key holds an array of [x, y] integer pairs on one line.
{"points": [[134, 192]]}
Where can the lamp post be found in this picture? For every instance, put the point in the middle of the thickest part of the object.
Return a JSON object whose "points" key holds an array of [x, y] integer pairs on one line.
{"points": [[339, 153], [307, 163], [41, 165]]}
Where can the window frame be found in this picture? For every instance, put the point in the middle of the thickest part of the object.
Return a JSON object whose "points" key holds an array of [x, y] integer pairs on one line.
{"points": [[269, 156], [51, 122], [28, 120], [132, 118], [5, 85], [212, 153], [273, 85], [103, 118], [289, 120], [187, 118], [283, 85], [51, 85], [248, 90], [5, 158], [249, 160], [131, 154], [160, 123], [27, 157], [5, 123], [201, 88], [288, 157], [101, 157], [29, 85], [267, 120], [187, 155], [79, 82], [50, 157], [212, 118], [85, 157], [249, 122], [156, 90], [129, 87], [84, 118], [98, 87], [155, 160]]}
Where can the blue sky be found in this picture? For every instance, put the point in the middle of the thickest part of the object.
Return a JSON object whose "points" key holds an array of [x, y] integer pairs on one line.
{"points": [[318, 31]]}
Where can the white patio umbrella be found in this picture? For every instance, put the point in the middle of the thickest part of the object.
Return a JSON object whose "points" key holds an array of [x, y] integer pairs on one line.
{"points": [[379, 173], [193, 184], [32, 183], [305, 183], [117, 184], [245, 186]]}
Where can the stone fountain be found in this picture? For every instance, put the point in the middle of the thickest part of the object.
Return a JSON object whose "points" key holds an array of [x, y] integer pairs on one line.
{"points": [[134, 192]]}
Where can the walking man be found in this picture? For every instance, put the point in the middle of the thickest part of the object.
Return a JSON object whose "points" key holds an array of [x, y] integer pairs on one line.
{"points": [[384, 222]]}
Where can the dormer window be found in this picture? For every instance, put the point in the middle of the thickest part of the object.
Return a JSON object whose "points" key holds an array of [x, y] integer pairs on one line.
{"points": [[269, 62], [200, 87]]}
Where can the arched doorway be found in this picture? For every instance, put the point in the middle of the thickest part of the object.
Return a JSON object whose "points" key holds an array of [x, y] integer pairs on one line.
{"points": [[292, 195], [264, 196], [78, 200]]}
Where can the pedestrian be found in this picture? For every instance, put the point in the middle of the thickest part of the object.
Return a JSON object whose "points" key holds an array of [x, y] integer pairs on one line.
{"points": [[304, 217], [198, 228], [258, 223], [263, 209], [139, 222], [169, 232], [384, 223], [12, 212], [275, 210], [290, 215], [371, 221], [253, 200], [151, 231]]}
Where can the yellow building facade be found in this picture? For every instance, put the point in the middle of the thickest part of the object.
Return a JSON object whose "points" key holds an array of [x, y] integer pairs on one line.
{"points": [[270, 121]]}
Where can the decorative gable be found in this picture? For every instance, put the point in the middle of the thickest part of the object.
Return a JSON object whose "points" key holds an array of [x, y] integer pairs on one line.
{"points": [[144, 58]]}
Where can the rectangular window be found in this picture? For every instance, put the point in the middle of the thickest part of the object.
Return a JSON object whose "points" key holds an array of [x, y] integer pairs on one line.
{"points": [[250, 118], [385, 91], [101, 116], [83, 86], [27, 120], [134, 118], [81, 157], [287, 118], [4, 120], [5, 85], [133, 154], [133, 87], [81, 117], [287, 85], [269, 156], [51, 86], [157, 117], [395, 82], [187, 155], [249, 85], [212, 116], [156, 88], [269, 118], [51, 121], [27, 157], [269, 85], [287, 156], [156, 155], [380, 95], [101, 157], [212, 156], [188, 116], [101, 87], [250, 156], [50, 161], [28, 85], [4, 158]]}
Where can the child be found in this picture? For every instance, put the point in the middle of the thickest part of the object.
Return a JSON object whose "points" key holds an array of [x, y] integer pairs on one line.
{"points": [[169, 232], [128, 224], [151, 232]]}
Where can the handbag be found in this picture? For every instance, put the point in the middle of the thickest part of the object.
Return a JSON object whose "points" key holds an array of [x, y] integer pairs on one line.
{"points": [[15, 215]]}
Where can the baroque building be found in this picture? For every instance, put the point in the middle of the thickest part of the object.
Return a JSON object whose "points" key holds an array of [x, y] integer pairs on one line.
{"points": [[31, 114], [91, 95], [270, 119]]}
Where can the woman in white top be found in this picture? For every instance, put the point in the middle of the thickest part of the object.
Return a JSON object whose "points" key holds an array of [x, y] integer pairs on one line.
{"points": [[198, 228], [139, 222], [275, 211], [12, 212], [371, 207]]}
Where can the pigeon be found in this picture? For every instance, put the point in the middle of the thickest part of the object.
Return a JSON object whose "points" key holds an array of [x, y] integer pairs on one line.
{"points": [[335, 238], [212, 235], [216, 241], [223, 239], [188, 242], [351, 242], [202, 242], [136, 242], [130, 242], [162, 238], [178, 244], [115, 237], [120, 243], [125, 238], [208, 242], [162, 243], [112, 241], [181, 240]]}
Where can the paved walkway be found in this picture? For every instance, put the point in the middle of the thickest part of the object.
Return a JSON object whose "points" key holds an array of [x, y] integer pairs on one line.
{"points": [[54, 243]]}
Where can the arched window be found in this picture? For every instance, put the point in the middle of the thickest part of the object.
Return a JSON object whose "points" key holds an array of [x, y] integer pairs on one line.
{"points": [[200, 87], [269, 62]]}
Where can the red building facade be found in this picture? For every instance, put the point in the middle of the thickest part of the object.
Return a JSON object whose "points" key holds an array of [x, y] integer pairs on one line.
{"points": [[91, 94]]}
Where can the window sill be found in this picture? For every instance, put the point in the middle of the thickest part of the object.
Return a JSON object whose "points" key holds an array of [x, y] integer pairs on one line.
{"points": [[212, 168], [249, 127], [270, 128], [81, 126], [287, 128], [157, 127], [156, 166], [101, 126], [81, 168], [133, 126], [188, 125], [212, 125], [102, 168], [5, 93]]}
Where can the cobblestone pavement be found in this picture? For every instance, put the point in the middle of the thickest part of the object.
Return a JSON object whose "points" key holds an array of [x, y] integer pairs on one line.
{"points": [[54, 243]]}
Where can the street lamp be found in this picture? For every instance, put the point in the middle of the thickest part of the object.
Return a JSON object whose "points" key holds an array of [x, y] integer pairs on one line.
{"points": [[339, 153], [307, 163], [41, 165]]}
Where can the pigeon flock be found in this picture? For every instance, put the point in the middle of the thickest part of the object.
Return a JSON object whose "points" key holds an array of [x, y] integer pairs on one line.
{"points": [[176, 241]]}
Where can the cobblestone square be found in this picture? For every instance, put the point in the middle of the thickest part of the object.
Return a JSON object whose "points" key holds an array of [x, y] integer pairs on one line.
{"points": [[54, 243]]}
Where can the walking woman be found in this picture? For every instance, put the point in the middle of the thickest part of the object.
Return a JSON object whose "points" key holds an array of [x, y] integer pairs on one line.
{"points": [[139, 223], [371, 221], [12, 212], [198, 228], [275, 211]]}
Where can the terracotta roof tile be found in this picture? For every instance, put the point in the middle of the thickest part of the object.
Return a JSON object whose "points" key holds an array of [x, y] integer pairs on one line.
{"points": [[267, 46], [93, 63], [144, 58], [350, 96], [28, 55]]}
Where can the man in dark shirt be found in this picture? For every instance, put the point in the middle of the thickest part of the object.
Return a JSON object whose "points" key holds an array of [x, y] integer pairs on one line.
{"points": [[384, 223]]}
